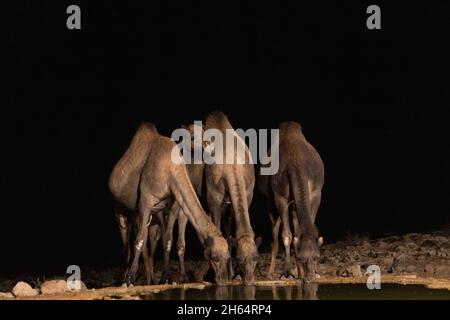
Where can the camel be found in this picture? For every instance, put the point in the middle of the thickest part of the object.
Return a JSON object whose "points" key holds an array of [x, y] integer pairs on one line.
{"points": [[295, 191], [148, 185], [123, 184], [232, 184]]}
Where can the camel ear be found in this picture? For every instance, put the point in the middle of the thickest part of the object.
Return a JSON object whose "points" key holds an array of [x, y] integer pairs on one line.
{"points": [[320, 241], [209, 241], [258, 241]]}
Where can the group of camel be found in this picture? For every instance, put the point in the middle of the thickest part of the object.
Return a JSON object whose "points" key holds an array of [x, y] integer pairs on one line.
{"points": [[151, 192]]}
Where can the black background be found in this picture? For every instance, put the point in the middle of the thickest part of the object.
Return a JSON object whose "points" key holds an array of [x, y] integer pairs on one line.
{"points": [[373, 102]]}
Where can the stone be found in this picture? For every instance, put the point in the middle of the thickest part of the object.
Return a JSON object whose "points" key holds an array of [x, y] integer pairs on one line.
{"points": [[429, 270], [355, 270], [342, 272], [429, 243], [410, 269], [6, 295], [442, 271], [82, 288], [326, 269], [23, 289], [400, 263], [54, 287], [387, 262]]}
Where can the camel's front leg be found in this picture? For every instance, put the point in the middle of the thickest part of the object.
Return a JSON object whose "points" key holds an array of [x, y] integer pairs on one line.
{"points": [[167, 243], [154, 235], [146, 205], [181, 244]]}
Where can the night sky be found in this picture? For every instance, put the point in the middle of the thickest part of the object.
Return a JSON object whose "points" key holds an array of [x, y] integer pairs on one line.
{"points": [[373, 103]]}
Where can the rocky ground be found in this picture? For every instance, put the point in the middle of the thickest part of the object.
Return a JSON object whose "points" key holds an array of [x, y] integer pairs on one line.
{"points": [[425, 255], [421, 255]]}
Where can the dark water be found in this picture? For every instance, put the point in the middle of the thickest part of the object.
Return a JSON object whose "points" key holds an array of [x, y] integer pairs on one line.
{"points": [[307, 292]]}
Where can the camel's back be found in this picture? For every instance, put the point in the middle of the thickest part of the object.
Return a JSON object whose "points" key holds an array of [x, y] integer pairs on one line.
{"points": [[297, 153]]}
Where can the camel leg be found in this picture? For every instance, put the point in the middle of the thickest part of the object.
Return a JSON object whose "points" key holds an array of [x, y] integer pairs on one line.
{"points": [[124, 228], [296, 224], [275, 246], [315, 203], [181, 244], [124, 225], [228, 234], [216, 207], [153, 236], [146, 204], [167, 243], [283, 208]]}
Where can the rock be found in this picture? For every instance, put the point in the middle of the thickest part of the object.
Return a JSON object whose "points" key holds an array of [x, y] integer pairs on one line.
{"points": [[429, 244], [326, 269], [410, 269], [54, 287], [23, 289], [366, 244], [400, 263], [401, 249], [342, 272], [429, 270], [82, 288], [442, 271], [6, 295], [387, 262], [421, 257], [355, 270]]}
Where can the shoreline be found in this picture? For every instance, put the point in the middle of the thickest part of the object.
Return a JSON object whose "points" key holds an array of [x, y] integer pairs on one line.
{"points": [[132, 293]]}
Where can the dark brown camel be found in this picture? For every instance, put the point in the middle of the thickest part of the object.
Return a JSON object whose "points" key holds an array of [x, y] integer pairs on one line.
{"points": [[295, 191], [232, 184], [161, 182]]}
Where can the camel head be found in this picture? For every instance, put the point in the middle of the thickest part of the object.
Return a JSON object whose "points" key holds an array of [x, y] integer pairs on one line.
{"points": [[309, 254], [217, 254], [247, 257]]}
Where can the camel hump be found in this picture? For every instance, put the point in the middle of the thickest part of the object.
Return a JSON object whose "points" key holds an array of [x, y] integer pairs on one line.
{"points": [[218, 120], [216, 114], [289, 126], [147, 126]]}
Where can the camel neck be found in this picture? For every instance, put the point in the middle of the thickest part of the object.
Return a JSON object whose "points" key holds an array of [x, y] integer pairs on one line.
{"points": [[185, 196]]}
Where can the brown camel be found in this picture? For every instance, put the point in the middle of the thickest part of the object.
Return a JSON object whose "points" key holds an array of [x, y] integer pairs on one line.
{"points": [[164, 179], [295, 190], [124, 184], [232, 184]]}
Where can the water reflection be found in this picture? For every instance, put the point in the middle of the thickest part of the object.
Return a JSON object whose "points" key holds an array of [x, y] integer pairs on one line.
{"points": [[298, 292]]}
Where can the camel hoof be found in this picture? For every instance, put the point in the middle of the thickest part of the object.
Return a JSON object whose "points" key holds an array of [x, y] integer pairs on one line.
{"points": [[129, 281], [165, 279]]}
